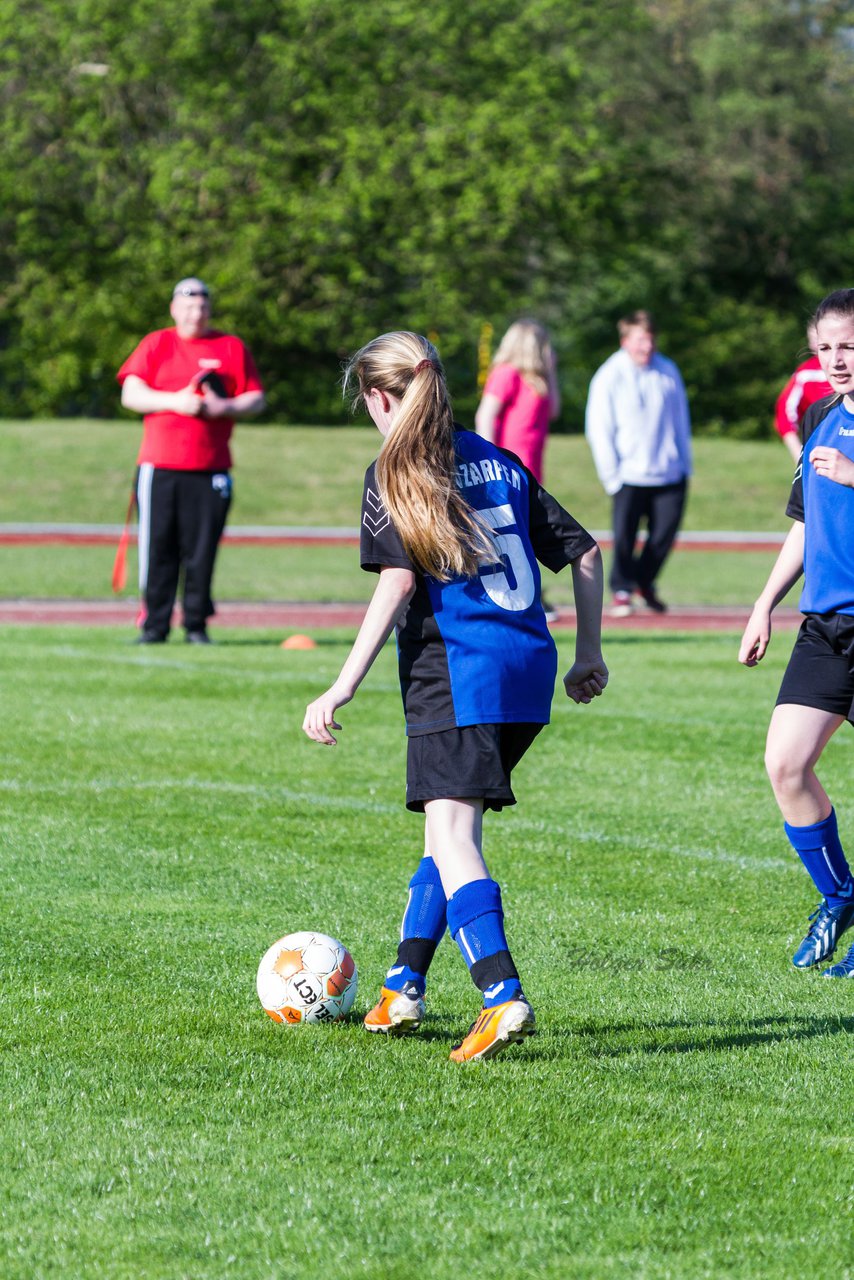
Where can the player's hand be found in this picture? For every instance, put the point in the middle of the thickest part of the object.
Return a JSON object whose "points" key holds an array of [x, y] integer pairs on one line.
{"points": [[756, 638], [320, 716], [214, 406], [585, 680], [187, 401], [833, 464]]}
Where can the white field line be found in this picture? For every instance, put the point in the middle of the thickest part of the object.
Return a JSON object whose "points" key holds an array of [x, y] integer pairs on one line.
{"points": [[560, 833]]}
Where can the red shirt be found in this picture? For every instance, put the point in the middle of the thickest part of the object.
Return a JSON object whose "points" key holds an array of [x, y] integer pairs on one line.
{"points": [[522, 424], [806, 385], [166, 362]]}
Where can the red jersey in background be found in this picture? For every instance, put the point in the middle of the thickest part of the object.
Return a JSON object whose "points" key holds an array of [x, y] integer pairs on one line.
{"points": [[806, 385], [166, 362]]}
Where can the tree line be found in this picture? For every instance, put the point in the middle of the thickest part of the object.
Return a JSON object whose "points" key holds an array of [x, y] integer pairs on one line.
{"points": [[336, 169]]}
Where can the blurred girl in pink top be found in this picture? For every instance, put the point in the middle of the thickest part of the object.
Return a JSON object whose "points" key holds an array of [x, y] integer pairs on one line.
{"points": [[521, 395]]}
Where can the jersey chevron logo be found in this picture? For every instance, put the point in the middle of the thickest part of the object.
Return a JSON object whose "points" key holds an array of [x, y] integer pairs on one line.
{"points": [[377, 517]]}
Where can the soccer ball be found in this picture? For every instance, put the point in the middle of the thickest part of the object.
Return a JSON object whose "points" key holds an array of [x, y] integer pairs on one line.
{"points": [[307, 977]]}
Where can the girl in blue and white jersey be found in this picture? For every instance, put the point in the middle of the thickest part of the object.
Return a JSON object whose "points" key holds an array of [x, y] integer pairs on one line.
{"points": [[454, 527], [817, 693]]}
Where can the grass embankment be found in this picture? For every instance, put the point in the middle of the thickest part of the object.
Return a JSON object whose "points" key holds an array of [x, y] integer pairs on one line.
{"points": [[66, 472]]}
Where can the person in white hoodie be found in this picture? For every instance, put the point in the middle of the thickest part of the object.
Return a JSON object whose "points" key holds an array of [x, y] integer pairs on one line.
{"points": [[639, 430]]}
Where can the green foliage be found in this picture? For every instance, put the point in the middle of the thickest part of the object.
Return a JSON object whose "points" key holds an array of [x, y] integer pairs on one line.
{"points": [[337, 169], [731, 383]]}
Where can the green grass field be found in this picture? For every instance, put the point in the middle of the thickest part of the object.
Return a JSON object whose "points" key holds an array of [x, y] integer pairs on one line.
{"points": [[684, 1111]]}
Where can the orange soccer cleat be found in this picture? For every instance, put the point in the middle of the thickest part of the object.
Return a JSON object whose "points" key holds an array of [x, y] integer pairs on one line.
{"points": [[397, 1013], [495, 1029]]}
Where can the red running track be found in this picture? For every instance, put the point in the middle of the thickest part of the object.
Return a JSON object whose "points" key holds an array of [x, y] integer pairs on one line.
{"points": [[100, 535]]}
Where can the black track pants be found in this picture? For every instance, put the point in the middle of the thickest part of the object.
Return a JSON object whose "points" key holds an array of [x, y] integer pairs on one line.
{"points": [[182, 516], [661, 506]]}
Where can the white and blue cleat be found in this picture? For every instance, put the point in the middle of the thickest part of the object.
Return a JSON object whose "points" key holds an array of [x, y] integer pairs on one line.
{"points": [[828, 925], [845, 968]]}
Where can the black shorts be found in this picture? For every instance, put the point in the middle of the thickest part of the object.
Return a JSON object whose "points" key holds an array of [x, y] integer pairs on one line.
{"points": [[466, 764], [820, 673]]}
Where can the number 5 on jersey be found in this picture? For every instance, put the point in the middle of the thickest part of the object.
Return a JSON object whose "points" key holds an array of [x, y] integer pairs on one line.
{"points": [[512, 551]]}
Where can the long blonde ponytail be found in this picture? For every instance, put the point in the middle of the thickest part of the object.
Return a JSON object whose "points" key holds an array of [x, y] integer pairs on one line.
{"points": [[416, 468]]}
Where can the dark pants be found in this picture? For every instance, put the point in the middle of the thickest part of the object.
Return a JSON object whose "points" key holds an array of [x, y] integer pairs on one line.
{"points": [[661, 506], [181, 520]]}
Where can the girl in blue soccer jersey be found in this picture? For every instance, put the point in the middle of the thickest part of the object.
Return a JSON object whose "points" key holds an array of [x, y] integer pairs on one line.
{"points": [[817, 693], [454, 527]]}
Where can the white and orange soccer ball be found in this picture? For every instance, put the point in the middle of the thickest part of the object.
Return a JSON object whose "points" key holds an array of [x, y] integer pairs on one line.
{"points": [[307, 977]]}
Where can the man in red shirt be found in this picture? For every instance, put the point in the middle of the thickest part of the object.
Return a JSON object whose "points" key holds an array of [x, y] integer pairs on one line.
{"points": [[191, 383]]}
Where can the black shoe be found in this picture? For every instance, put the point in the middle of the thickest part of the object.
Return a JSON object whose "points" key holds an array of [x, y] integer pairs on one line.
{"points": [[198, 637], [651, 600], [149, 637]]}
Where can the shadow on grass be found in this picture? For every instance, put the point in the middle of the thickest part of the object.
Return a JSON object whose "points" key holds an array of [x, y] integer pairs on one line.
{"points": [[554, 1040], [436, 1030], [652, 1037]]}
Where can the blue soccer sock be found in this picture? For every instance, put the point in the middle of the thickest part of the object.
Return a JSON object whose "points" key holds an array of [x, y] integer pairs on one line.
{"points": [[423, 927], [819, 849], [476, 922]]}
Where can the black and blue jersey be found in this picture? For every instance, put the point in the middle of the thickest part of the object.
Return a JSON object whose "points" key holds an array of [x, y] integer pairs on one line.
{"points": [[827, 512], [478, 650]]}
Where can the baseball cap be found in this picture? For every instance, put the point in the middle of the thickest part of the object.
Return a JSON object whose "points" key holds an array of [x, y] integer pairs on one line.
{"points": [[191, 287]]}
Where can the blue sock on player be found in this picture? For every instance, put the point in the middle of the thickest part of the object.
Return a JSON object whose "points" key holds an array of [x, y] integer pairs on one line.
{"points": [[423, 927], [476, 922], [819, 849]]}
